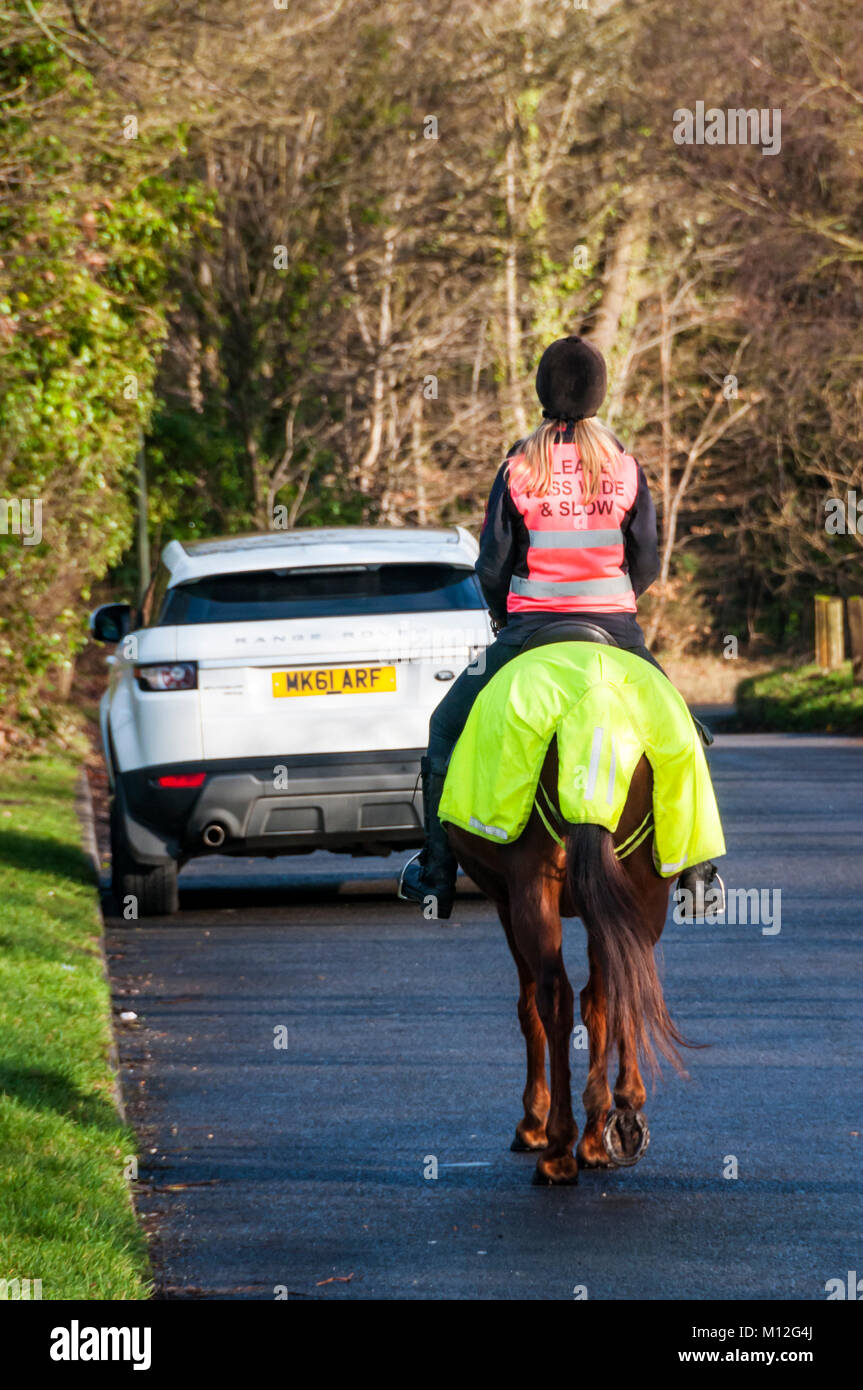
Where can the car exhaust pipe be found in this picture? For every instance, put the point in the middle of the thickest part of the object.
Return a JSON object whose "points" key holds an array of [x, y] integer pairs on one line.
{"points": [[214, 835]]}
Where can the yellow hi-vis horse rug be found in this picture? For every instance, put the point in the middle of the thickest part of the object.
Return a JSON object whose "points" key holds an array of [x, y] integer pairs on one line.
{"points": [[606, 707]]}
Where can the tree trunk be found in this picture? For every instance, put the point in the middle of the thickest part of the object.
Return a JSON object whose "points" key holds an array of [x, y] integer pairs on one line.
{"points": [[418, 461], [512, 317], [622, 263], [666, 538]]}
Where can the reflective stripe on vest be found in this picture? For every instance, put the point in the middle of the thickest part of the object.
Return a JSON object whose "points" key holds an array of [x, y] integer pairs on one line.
{"points": [[583, 588], [584, 540]]}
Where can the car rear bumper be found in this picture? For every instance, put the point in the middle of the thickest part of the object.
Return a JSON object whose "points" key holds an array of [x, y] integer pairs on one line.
{"points": [[356, 803]]}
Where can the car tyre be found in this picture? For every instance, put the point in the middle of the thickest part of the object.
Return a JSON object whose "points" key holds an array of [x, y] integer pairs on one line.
{"points": [[154, 886]]}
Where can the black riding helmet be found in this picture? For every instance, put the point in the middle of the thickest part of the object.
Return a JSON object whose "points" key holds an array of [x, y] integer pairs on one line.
{"points": [[571, 379]]}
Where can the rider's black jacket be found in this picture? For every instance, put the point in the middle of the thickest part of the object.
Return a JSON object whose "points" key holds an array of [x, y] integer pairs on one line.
{"points": [[504, 540]]}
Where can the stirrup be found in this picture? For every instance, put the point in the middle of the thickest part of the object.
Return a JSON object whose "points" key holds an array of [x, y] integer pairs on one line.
{"points": [[400, 891], [434, 905], [701, 910]]}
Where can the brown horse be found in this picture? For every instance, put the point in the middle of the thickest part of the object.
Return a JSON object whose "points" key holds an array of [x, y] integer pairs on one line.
{"points": [[623, 903]]}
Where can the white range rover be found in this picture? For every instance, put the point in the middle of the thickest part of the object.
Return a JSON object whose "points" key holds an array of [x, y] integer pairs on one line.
{"points": [[272, 696]]}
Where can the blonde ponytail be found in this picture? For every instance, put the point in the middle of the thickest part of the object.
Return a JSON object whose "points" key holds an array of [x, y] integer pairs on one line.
{"points": [[532, 466]]}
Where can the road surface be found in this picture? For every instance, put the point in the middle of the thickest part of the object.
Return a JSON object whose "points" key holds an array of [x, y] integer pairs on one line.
{"points": [[300, 1170]]}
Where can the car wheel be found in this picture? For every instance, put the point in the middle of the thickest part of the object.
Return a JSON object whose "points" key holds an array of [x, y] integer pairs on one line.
{"points": [[154, 887]]}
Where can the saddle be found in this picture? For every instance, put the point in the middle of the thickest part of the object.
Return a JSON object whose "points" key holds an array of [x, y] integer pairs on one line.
{"points": [[574, 630]]}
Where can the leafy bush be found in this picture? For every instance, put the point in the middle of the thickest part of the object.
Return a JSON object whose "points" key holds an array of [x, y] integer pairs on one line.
{"points": [[88, 236], [804, 699]]}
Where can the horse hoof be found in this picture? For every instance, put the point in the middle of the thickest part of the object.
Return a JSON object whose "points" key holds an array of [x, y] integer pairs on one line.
{"points": [[625, 1137], [556, 1172], [521, 1146]]}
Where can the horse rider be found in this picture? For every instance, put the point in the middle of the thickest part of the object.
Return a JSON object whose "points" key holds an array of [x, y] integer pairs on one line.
{"points": [[569, 532]]}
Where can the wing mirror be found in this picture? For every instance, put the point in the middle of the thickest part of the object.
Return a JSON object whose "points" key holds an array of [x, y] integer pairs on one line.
{"points": [[111, 622]]}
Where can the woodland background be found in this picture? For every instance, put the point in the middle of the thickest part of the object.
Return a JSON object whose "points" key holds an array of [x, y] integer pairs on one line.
{"points": [[310, 251]]}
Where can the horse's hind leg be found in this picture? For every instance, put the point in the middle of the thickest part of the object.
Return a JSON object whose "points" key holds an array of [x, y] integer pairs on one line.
{"points": [[530, 1130], [537, 932], [628, 1134], [629, 1089], [596, 1095]]}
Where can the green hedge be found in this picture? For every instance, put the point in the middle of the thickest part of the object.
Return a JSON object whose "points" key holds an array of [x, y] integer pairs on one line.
{"points": [[802, 698]]}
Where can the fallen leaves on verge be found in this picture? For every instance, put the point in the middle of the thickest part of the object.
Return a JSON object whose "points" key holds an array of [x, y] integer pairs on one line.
{"points": [[182, 1186]]}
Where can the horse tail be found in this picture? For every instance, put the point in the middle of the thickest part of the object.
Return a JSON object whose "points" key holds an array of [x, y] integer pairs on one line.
{"points": [[622, 944]]}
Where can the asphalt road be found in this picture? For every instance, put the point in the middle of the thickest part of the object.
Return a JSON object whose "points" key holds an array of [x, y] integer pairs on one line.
{"points": [[302, 1168]]}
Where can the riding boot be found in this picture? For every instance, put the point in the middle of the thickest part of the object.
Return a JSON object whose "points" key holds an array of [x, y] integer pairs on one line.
{"points": [[699, 892], [429, 878]]}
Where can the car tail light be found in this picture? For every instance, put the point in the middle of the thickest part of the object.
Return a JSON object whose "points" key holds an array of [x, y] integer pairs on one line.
{"points": [[183, 779], [178, 675]]}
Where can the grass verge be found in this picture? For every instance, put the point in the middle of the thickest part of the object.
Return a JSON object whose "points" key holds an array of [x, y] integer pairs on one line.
{"points": [[802, 699], [65, 1214]]}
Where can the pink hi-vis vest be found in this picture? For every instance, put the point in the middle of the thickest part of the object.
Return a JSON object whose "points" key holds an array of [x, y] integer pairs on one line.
{"points": [[576, 555]]}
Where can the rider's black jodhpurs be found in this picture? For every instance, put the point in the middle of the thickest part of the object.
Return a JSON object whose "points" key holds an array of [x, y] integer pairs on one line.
{"points": [[450, 717]]}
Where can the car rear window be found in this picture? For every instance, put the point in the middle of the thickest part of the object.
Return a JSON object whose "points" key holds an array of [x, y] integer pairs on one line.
{"points": [[321, 591]]}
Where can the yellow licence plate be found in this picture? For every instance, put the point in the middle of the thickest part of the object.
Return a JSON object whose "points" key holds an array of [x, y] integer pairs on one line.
{"points": [[334, 680]]}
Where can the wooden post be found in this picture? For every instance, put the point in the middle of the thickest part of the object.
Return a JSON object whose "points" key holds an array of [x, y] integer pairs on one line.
{"points": [[821, 602], [829, 632], [855, 626]]}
